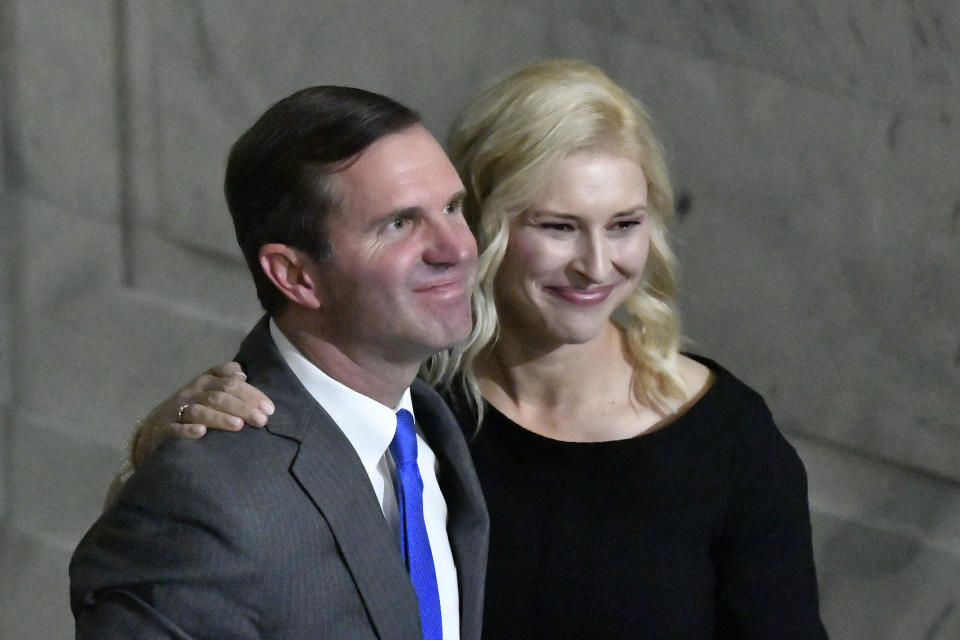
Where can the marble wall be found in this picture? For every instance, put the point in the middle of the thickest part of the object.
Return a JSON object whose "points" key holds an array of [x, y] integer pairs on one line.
{"points": [[816, 144]]}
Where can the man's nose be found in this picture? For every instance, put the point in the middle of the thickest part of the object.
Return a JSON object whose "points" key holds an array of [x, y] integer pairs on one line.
{"points": [[450, 243]]}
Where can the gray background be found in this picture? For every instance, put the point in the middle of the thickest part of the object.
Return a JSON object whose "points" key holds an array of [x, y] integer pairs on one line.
{"points": [[818, 142]]}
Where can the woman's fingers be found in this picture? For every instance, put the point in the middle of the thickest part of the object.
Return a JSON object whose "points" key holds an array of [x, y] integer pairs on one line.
{"points": [[226, 405], [173, 430], [227, 369], [239, 388], [217, 410], [220, 398], [254, 406]]}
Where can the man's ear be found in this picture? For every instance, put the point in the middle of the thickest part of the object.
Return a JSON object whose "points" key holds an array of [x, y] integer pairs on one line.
{"points": [[292, 272]]}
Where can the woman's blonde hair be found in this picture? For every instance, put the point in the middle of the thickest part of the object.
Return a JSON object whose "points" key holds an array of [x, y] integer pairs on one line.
{"points": [[505, 145]]}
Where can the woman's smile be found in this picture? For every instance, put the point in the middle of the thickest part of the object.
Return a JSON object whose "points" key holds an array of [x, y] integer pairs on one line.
{"points": [[580, 296]]}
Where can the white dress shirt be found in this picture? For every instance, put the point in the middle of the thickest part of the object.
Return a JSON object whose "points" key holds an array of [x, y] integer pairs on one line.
{"points": [[370, 427]]}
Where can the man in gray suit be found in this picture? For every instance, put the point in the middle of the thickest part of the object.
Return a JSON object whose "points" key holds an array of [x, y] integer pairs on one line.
{"points": [[349, 216]]}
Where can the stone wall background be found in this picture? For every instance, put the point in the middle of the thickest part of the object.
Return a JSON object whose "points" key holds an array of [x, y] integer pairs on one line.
{"points": [[817, 143]]}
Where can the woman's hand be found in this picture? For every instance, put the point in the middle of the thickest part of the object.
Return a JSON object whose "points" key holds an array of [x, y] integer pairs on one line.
{"points": [[220, 398]]}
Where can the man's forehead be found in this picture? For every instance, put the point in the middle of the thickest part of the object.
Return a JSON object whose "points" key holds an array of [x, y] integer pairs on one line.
{"points": [[403, 148], [399, 170]]}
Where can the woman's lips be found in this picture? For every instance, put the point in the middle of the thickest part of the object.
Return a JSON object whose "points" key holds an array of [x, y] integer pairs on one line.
{"points": [[585, 297]]}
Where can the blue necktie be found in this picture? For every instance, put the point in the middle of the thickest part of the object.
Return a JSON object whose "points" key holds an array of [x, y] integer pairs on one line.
{"points": [[414, 544]]}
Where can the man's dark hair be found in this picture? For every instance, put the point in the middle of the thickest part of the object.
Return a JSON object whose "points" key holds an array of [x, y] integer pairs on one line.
{"points": [[278, 185]]}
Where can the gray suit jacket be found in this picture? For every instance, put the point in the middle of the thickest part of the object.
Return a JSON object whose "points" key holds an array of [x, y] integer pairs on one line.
{"points": [[271, 533]]}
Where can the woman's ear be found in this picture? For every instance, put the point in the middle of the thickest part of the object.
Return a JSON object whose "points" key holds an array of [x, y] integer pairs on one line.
{"points": [[292, 272]]}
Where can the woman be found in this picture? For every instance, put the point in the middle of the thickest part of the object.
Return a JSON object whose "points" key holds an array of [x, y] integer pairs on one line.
{"points": [[634, 491]]}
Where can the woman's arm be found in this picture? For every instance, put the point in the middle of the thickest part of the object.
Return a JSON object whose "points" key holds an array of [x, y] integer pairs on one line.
{"points": [[219, 398], [766, 581]]}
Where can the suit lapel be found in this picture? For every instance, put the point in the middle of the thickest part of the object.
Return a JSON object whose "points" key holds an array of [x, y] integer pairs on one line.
{"points": [[467, 522], [329, 471]]}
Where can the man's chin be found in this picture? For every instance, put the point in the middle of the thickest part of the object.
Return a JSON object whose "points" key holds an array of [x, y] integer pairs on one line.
{"points": [[452, 335]]}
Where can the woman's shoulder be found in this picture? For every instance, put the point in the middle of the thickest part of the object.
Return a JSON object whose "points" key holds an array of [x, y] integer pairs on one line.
{"points": [[740, 412], [697, 377], [731, 402], [729, 387]]}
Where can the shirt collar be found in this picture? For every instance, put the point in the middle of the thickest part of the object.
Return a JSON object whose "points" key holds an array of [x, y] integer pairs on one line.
{"points": [[367, 424]]}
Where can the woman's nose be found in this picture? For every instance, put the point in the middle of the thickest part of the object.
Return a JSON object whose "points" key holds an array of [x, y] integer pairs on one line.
{"points": [[593, 261]]}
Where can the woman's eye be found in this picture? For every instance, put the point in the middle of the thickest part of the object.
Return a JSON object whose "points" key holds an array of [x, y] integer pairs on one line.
{"points": [[627, 225], [556, 226]]}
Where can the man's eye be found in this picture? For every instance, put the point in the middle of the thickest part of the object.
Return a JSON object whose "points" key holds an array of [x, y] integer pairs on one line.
{"points": [[399, 222], [453, 208]]}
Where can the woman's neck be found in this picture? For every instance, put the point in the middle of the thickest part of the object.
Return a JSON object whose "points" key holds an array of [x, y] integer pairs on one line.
{"points": [[578, 392], [569, 392]]}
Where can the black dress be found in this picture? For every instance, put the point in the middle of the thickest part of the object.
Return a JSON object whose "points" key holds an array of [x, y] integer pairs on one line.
{"points": [[697, 530]]}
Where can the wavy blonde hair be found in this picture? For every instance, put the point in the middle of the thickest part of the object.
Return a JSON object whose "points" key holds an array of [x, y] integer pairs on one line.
{"points": [[505, 144]]}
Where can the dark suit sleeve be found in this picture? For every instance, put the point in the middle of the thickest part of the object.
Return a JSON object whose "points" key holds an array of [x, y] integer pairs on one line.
{"points": [[766, 582], [173, 558], [120, 615]]}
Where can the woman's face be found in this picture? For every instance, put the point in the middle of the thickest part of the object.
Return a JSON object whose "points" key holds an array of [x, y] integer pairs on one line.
{"points": [[577, 252]]}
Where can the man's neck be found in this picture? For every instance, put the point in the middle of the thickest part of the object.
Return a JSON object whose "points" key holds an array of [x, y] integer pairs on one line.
{"points": [[362, 371]]}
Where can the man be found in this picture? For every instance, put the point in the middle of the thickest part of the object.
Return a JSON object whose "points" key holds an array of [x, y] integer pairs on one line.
{"points": [[349, 216]]}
